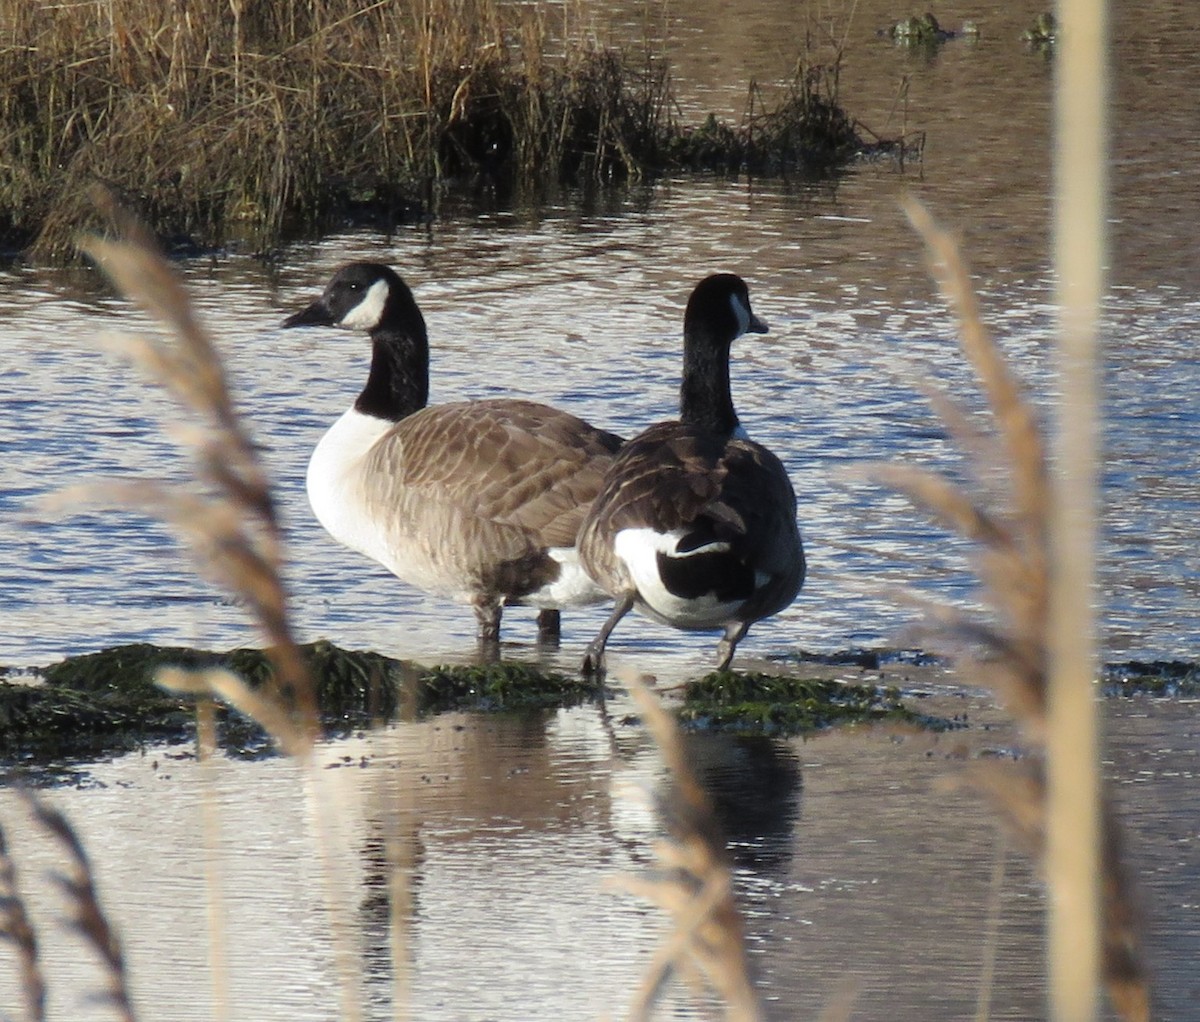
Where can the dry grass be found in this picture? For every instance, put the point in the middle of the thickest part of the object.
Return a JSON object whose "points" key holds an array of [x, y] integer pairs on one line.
{"points": [[229, 516], [251, 119], [218, 118], [90, 920], [1012, 652]]}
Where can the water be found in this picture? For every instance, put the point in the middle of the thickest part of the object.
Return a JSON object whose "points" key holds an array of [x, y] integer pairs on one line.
{"points": [[836, 384], [861, 862], [580, 304], [856, 862]]}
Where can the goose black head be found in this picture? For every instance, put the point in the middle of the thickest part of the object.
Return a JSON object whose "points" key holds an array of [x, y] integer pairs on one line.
{"points": [[362, 296]]}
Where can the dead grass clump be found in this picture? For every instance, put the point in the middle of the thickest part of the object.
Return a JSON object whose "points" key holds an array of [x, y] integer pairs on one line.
{"points": [[287, 113], [249, 120], [1008, 520], [804, 132]]}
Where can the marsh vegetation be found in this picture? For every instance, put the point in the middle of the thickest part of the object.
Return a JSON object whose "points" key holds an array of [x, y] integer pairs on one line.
{"points": [[250, 120]]}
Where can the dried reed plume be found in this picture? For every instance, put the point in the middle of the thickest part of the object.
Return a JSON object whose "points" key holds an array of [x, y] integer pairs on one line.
{"points": [[231, 524], [17, 929], [90, 921], [230, 521], [1011, 654], [694, 885]]}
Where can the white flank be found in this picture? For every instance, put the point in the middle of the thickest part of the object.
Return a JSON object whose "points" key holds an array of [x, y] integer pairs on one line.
{"points": [[638, 549], [367, 313], [573, 587]]}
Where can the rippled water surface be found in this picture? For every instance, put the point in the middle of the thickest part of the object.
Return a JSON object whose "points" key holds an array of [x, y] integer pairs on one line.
{"points": [[861, 867], [859, 864], [580, 304]]}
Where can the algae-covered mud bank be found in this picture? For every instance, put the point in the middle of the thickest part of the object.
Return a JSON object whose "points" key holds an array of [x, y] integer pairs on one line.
{"points": [[101, 704], [107, 702]]}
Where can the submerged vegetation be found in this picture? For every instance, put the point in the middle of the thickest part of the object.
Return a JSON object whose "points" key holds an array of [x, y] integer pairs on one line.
{"points": [[258, 117], [109, 701]]}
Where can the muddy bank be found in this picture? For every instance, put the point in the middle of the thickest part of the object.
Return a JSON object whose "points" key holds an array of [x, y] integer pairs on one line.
{"points": [[107, 702]]}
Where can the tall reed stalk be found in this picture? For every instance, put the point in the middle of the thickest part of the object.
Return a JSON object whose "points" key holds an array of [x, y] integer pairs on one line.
{"points": [[706, 945], [1073, 808], [1014, 650], [228, 518]]}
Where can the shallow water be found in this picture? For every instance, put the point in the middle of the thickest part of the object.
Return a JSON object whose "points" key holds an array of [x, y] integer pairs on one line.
{"points": [[580, 303], [860, 864]]}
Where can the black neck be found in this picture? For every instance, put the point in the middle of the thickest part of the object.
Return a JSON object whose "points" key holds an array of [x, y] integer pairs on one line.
{"points": [[398, 383], [705, 400]]}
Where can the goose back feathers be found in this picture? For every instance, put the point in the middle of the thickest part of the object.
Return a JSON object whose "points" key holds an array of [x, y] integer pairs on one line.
{"points": [[478, 501], [695, 524]]}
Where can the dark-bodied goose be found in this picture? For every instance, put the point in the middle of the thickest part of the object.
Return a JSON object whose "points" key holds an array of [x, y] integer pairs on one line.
{"points": [[696, 523], [478, 501]]}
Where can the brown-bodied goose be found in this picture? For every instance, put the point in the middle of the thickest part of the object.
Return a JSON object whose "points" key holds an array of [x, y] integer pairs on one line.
{"points": [[696, 523], [478, 501]]}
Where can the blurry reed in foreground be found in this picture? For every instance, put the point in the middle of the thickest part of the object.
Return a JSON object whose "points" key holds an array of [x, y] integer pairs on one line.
{"points": [[231, 526], [90, 922], [1011, 652], [693, 885], [16, 929], [228, 519]]}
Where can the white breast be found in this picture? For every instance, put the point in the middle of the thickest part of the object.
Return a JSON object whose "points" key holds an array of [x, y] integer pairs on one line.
{"points": [[574, 587], [335, 485]]}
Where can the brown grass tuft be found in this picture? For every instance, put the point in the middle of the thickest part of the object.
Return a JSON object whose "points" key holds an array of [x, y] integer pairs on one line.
{"points": [[253, 120]]}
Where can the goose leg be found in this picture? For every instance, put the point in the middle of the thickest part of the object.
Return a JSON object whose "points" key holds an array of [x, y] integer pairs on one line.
{"points": [[733, 635], [549, 626], [593, 658], [487, 614]]}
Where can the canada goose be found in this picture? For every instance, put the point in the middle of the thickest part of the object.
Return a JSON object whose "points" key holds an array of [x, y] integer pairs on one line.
{"points": [[696, 523], [479, 501]]}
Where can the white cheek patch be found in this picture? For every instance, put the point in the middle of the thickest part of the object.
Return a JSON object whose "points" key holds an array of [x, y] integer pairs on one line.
{"points": [[638, 549], [367, 313]]}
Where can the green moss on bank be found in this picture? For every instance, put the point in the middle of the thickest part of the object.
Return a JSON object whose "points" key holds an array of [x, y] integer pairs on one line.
{"points": [[1167, 678], [107, 702], [782, 705]]}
